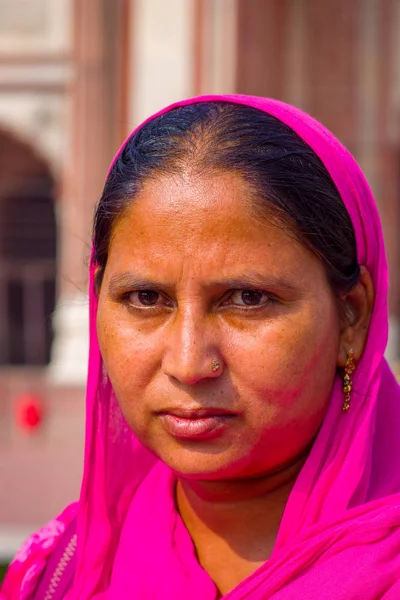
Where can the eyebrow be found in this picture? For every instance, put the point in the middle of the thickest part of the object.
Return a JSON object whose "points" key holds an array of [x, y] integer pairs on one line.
{"points": [[254, 279], [129, 280], [251, 279]]}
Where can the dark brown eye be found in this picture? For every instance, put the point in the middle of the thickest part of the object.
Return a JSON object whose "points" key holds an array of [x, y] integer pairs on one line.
{"points": [[251, 297], [148, 297]]}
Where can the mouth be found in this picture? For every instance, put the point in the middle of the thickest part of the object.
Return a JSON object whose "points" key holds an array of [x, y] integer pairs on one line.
{"points": [[196, 423]]}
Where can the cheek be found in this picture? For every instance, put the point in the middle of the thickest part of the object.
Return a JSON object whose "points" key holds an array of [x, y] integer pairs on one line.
{"points": [[127, 366], [292, 366], [125, 354]]}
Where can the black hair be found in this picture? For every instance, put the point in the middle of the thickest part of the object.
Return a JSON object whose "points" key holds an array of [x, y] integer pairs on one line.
{"points": [[289, 182]]}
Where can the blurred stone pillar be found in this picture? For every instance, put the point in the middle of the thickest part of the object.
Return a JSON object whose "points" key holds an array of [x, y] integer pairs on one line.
{"points": [[96, 121], [261, 47], [161, 66], [215, 46]]}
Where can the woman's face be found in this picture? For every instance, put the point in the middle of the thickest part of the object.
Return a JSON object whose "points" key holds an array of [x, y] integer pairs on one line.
{"points": [[192, 276]]}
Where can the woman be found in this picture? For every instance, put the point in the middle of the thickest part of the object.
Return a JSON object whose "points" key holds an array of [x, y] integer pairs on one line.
{"points": [[242, 423]]}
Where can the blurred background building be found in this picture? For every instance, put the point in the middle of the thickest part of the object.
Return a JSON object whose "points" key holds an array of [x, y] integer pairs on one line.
{"points": [[75, 77]]}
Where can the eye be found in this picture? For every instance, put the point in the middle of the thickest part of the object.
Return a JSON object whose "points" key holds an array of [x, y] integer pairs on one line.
{"points": [[248, 297], [143, 298]]}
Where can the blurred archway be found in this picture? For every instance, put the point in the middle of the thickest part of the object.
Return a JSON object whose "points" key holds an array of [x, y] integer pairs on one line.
{"points": [[27, 254]]}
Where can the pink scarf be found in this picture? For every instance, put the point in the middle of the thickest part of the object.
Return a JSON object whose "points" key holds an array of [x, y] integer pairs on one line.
{"points": [[340, 533]]}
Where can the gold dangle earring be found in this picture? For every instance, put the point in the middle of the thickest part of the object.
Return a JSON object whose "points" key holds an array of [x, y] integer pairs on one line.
{"points": [[349, 368]]}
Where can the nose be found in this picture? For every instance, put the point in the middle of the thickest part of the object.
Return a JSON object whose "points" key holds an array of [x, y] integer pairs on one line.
{"points": [[191, 348]]}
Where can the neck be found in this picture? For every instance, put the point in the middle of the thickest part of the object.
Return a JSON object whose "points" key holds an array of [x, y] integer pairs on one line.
{"points": [[241, 511]]}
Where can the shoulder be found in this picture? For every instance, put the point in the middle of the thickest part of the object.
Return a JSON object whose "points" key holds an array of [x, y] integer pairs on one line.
{"points": [[25, 570]]}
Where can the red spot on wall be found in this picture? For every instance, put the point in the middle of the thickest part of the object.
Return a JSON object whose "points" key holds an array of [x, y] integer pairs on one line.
{"points": [[29, 412]]}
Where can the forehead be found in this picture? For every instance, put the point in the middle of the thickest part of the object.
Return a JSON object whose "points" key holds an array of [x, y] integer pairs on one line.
{"points": [[202, 223], [196, 194], [192, 207]]}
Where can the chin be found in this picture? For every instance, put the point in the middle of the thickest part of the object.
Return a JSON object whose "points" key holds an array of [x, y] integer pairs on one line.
{"points": [[207, 466], [197, 464]]}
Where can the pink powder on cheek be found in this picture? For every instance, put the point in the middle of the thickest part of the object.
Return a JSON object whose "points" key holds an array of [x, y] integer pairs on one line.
{"points": [[302, 390], [286, 397]]}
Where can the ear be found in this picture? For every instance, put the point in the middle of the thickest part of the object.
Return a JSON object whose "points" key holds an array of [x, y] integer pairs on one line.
{"points": [[357, 310]]}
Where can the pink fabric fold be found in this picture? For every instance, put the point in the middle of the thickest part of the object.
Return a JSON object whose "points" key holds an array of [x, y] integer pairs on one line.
{"points": [[340, 532]]}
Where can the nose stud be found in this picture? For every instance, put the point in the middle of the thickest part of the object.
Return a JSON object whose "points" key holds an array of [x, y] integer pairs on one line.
{"points": [[215, 365]]}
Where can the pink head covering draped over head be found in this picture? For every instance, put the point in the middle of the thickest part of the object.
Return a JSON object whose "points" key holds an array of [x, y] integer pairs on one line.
{"points": [[339, 536]]}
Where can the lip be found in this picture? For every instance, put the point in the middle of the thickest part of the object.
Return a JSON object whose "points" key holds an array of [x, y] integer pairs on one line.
{"points": [[204, 423], [196, 413]]}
